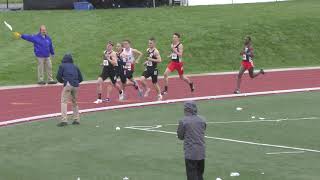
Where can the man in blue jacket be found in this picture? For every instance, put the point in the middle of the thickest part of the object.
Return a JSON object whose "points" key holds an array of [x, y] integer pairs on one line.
{"points": [[43, 50], [71, 77]]}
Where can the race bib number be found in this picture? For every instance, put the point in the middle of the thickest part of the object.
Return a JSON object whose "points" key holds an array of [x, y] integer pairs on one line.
{"points": [[105, 62], [149, 63], [174, 56], [155, 73], [244, 57], [128, 66]]}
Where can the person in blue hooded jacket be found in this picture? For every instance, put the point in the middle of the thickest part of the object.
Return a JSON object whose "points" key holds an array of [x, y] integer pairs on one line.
{"points": [[71, 77], [43, 50]]}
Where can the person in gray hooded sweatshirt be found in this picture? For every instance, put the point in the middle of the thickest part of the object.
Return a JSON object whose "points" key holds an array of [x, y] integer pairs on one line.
{"points": [[191, 130]]}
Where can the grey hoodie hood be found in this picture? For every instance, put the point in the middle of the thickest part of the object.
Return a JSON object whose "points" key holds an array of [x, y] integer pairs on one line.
{"points": [[67, 58], [190, 108]]}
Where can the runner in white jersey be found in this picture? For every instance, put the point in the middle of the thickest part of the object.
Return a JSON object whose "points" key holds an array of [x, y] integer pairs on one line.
{"points": [[130, 57]]}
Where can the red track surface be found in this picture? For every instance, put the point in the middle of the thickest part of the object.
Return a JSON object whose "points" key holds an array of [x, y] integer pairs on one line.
{"points": [[27, 102]]}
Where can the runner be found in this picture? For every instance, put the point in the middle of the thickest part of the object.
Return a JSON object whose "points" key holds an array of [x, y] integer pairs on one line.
{"points": [[120, 67], [130, 57], [151, 70], [109, 71], [176, 63], [247, 63]]}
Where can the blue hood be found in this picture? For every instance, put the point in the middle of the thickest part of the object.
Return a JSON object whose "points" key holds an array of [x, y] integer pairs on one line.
{"points": [[67, 58]]}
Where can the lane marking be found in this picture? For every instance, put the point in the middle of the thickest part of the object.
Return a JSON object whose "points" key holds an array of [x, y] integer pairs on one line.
{"points": [[232, 140], [20, 103], [33, 118], [173, 76], [256, 121], [288, 152]]}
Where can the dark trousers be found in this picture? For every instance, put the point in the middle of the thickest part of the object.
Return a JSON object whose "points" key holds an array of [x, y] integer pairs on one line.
{"points": [[195, 169]]}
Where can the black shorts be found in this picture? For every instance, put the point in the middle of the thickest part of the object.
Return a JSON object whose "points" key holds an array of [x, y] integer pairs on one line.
{"points": [[120, 74], [128, 73], [153, 73], [108, 72]]}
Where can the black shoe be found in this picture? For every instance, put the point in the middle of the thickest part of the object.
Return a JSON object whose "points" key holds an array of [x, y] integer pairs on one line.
{"points": [[52, 82], [42, 83], [75, 123], [237, 92], [62, 124], [262, 71], [192, 87]]}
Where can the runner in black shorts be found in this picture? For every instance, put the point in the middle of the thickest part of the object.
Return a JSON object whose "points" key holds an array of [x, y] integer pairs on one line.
{"points": [[121, 64], [108, 71], [151, 69]]}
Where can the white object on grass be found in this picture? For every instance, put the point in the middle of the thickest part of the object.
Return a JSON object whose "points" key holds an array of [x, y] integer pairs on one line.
{"points": [[125, 178], [97, 126], [239, 108], [8, 25], [261, 118], [78, 178], [234, 174], [118, 128], [253, 117], [218, 178]]}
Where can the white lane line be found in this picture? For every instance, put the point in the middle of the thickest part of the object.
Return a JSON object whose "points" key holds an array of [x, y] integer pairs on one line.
{"points": [[4, 123], [288, 152], [173, 76], [256, 121], [234, 140]]}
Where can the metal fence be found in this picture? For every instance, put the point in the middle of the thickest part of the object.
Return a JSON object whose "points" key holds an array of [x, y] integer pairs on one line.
{"points": [[11, 4], [217, 2]]}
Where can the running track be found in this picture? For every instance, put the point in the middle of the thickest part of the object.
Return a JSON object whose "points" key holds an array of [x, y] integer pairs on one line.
{"points": [[26, 102]]}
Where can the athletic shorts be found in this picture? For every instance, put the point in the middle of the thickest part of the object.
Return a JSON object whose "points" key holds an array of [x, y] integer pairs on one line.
{"points": [[120, 74], [109, 73], [176, 66], [128, 73], [247, 65], [153, 73]]}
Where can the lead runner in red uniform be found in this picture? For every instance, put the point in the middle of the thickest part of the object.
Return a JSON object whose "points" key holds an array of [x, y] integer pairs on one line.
{"points": [[247, 63], [176, 63]]}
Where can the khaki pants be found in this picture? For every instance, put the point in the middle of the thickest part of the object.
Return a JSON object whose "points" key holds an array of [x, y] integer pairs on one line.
{"points": [[44, 65], [69, 92]]}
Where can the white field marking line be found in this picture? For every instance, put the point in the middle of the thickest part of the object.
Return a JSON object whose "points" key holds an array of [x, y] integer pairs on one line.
{"points": [[159, 102], [161, 77], [147, 127], [154, 127], [256, 121], [288, 152], [234, 140]]}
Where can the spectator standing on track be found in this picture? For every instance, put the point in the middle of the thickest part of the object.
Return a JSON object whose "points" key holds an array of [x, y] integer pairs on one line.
{"points": [[191, 130], [71, 77], [43, 50]]}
